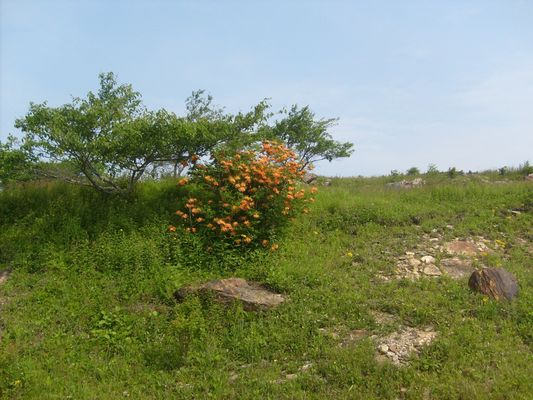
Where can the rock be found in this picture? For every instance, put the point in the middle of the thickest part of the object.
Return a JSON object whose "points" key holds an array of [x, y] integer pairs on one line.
{"points": [[353, 336], [494, 282], [406, 184], [4, 274], [252, 295], [399, 346], [529, 178], [432, 270], [462, 247], [456, 268], [383, 348], [428, 259], [413, 262], [309, 177], [326, 183]]}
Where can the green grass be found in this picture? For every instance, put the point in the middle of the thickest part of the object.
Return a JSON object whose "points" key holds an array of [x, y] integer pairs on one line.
{"points": [[88, 310]]}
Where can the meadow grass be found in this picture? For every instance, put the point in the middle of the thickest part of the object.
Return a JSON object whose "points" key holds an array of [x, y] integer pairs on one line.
{"points": [[88, 310]]}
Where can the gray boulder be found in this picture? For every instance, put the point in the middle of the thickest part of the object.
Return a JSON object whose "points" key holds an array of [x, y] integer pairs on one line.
{"points": [[494, 282]]}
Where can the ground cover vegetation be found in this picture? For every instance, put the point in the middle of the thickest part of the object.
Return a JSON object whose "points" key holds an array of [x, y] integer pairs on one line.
{"points": [[88, 309]]}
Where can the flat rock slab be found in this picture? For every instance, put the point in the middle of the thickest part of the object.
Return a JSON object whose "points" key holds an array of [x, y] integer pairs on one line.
{"points": [[494, 282], [465, 248], [456, 268], [251, 295]]}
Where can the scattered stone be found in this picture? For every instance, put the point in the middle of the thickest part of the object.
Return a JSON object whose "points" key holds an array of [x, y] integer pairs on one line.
{"points": [[4, 274], [383, 348], [353, 336], [494, 282], [428, 259], [383, 318], [456, 268], [309, 177], [413, 262], [449, 227], [398, 347], [252, 295], [326, 183], [432, 270], [405, 184], [290, 377]]}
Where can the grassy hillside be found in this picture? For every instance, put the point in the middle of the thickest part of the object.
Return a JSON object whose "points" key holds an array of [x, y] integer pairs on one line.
{"points": [[88, 311]]}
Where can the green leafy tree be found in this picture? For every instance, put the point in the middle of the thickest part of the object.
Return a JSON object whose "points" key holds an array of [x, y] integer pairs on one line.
{"points": [[109, 138], [308, 136], [15, 165]]}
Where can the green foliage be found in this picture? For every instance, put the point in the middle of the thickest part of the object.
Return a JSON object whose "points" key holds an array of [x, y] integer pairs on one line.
{"points": [[111, 139], [309, 137], [432, 169], [413, 171], [15, 164]]}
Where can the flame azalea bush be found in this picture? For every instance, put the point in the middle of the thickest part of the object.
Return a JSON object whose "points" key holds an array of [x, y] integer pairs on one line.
{"points": [[245, 198]]}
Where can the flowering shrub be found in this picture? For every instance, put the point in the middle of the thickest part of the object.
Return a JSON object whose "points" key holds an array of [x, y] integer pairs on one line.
{"points": [[245, 198]]}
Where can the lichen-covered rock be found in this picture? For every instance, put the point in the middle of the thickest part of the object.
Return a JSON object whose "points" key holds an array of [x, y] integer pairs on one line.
{"points": [[251, 295], [494, 282]]}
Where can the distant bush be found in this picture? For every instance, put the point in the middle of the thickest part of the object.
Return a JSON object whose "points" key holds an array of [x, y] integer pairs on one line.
{"points": [[454, 172], [244, 199], [432, 169], [413, 171]]}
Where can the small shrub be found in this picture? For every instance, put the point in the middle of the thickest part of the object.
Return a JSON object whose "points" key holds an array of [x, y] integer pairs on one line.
{"points": [[244, 199]]}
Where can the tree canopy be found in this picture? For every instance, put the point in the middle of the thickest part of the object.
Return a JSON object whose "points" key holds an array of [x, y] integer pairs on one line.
{"points": [[110, 140]]}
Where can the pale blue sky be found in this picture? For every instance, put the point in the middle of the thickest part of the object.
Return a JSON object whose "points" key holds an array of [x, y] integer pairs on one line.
{"points": [[413, 82]]}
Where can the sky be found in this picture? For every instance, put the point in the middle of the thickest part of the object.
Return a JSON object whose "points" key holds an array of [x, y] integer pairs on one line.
{"points": [[412, 82]]}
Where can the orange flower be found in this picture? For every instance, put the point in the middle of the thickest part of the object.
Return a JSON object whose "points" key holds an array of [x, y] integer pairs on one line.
{"points": [[183, 182], [274, 247], [171, 228]]}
